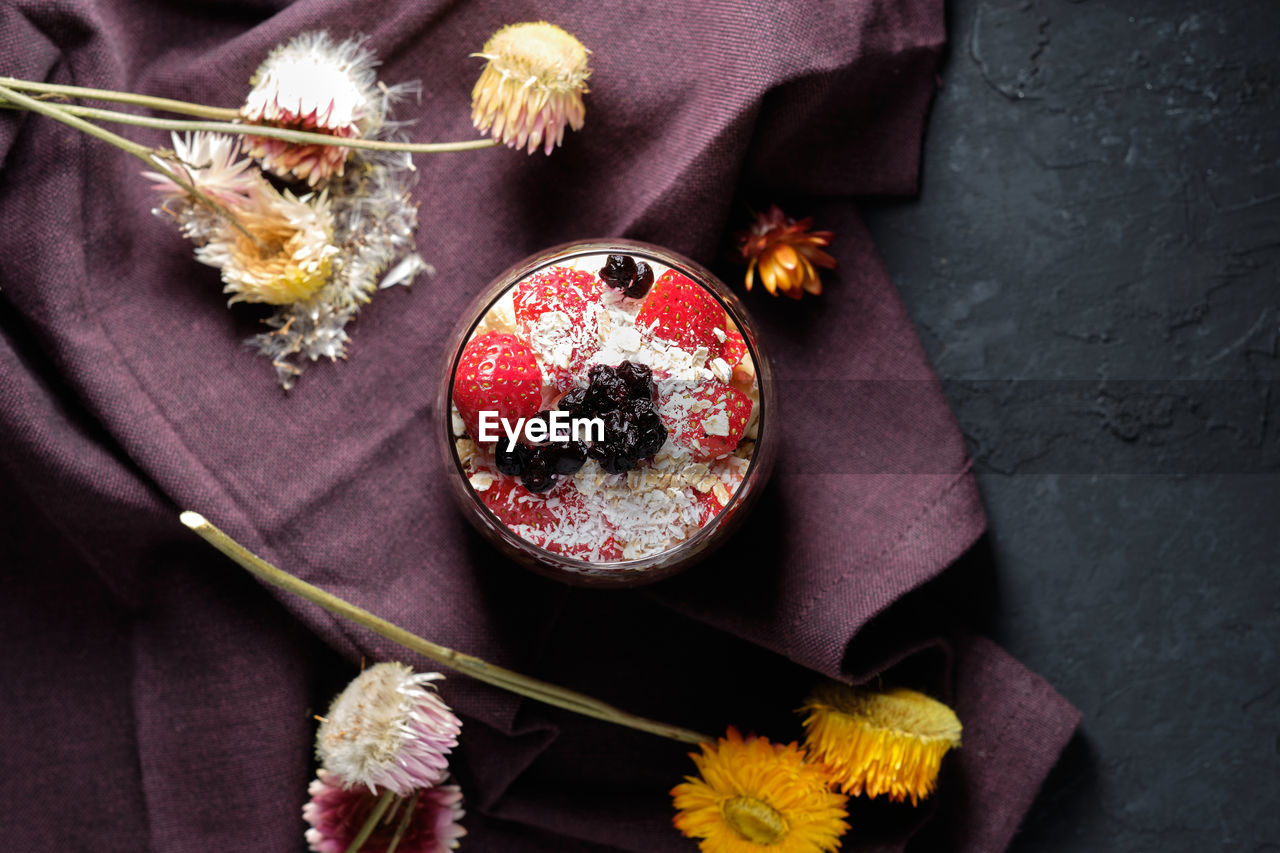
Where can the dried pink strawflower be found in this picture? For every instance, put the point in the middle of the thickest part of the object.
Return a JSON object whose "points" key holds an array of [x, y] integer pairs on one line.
{"points": [[389, 729], [424, 822], [211, 162]]}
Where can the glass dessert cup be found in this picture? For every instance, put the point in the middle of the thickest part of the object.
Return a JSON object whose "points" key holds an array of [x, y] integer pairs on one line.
{"points": [[649, 373]]}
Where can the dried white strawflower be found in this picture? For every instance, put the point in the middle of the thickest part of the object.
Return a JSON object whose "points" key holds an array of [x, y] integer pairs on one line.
{"points": [[315, 85], [389, 729], [374, 224]]}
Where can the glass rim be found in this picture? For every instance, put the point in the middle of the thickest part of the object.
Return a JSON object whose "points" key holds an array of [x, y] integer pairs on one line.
{"points": [[509, 278]]}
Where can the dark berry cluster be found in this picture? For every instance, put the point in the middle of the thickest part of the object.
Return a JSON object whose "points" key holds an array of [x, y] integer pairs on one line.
{"points": [[539, 465], [625, 273], [622, 397]]}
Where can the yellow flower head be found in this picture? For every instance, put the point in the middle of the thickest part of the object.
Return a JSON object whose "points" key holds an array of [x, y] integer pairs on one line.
{"points": [[531, 87], [755, 795], [879, 743], [786, 252], [289, 256]]}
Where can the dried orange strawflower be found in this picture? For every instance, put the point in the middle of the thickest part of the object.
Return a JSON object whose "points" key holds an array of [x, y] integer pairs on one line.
{"points": [[531, 87], [786, 252], [752, 795], [887, 742]]}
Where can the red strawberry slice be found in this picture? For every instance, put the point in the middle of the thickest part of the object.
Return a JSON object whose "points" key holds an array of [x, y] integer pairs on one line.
{"points": [[682, 312], [564, 347], [708, 419], [516, 506], [555, 289], [545, 519], [708, 506], [536, 518], [732, 349], [498, 373]]}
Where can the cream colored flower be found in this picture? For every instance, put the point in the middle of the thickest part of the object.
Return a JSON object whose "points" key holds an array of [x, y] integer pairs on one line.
{"points": [[289, 256], [531, 87]]}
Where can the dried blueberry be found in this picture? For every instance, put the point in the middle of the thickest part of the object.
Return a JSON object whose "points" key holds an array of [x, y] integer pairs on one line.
{"points": [[617, 464], [606, 390], [639, 379], [510, 462], [538, 476], [568, 458], [641, 283], [619, 271], [574, 402], [622, 272]]}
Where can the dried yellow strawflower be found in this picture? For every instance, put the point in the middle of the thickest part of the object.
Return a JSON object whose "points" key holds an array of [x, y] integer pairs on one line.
{"points": [[887, 742], [752, 795]]}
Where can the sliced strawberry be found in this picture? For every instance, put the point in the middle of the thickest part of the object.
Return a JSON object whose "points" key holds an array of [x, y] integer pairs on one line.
{"points": [[681, 311], [709, 506], [536, 517], [564, 343], [498, 373], [516, 506], [732, 349], [707, 419], [555, 289]]}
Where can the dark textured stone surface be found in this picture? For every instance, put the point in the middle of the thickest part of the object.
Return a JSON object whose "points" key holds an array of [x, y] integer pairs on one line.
{"points": [[1094, 266]]}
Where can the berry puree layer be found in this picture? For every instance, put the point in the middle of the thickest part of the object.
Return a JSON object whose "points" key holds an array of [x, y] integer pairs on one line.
{"points": [[606, 408]]}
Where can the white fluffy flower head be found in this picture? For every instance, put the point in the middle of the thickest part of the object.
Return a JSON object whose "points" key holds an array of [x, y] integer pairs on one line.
{"points": [[313, 84], [388, 729]]}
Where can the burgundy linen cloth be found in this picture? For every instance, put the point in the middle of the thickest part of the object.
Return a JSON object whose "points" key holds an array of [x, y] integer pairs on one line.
{"points": [[157, 698]]}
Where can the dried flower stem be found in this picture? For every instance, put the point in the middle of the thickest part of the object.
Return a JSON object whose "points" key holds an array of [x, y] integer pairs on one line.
{"points": [[403, 826], [475, 667], [287, 135], [147, 155], [371, 823], [167, 105]]}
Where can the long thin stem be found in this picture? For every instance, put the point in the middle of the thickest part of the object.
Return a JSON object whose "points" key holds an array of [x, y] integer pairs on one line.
{"points": [[403, 826], [142, 152], [371, 822], [475, 667], [287, 135], [167, 105]]}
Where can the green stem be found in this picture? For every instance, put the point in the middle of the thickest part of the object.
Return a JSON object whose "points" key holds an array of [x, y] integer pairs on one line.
{"points": [[475, 667], [403, 826], [371, 822], [299, 136], [142, 152], [167, 105]]}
